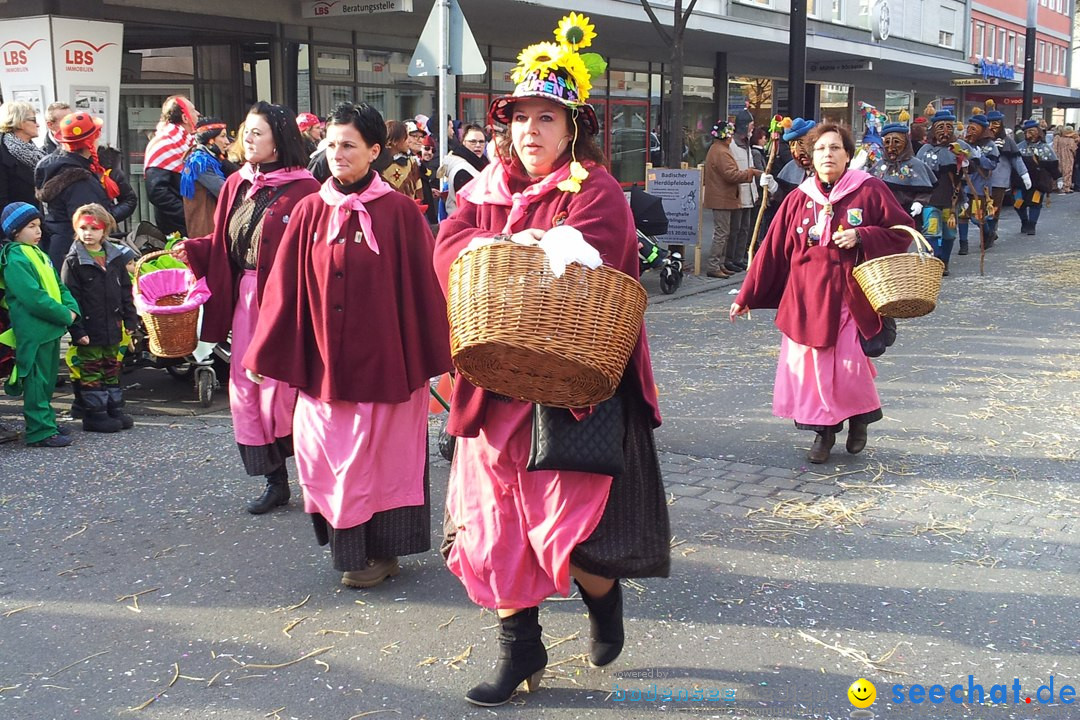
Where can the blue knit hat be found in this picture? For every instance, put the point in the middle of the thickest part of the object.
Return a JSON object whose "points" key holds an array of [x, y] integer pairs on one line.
{"points": [[979, 119], [799, 127], [1028, 124], [894, 127], [943, 116], [16, 216]]}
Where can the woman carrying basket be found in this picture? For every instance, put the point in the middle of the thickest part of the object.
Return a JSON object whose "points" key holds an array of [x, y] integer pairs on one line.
{"points": [[823, 229], [354, 318], [516, 536], [251, 217]]}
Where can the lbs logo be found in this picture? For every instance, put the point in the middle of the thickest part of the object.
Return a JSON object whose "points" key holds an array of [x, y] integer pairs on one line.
{"points": [[14, 53], [81, 56], [323, 8]]}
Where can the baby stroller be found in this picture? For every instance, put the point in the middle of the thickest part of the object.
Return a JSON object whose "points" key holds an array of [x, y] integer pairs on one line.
{"points": [[207, 363], [650, 220]]}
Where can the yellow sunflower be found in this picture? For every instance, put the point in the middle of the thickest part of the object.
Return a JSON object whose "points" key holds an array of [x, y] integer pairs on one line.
{"points": [[575, 31], [540, 57], [575, 66]]}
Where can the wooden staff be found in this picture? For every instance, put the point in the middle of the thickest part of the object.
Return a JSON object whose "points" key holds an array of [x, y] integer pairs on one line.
{"points": [[774, 129]]}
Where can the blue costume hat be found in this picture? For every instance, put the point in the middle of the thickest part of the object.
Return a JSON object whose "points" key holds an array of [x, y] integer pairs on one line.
{"points": [[943, 116], [1028, 124], [995, 116], [979, 119], [799, 127], [895, 127], [16, 216]]}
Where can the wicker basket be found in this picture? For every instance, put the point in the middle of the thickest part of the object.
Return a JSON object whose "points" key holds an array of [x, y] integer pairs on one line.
{"points": [[905, 285], [168, 336], [517, 330]]}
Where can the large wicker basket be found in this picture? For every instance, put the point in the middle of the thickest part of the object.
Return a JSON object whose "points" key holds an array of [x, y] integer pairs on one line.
{"points": [[517, 330], [168, 336], [905, 285]]}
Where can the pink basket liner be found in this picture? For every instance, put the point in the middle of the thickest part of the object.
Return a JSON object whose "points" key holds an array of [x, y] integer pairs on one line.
{"points": [[160, 283]]}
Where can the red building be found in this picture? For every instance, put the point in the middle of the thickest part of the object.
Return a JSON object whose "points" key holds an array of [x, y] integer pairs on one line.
{"points": [[998, 35]]}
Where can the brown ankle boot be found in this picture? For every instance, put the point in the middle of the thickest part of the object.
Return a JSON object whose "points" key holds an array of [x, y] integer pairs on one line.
{"points": [[856, 437], [819, 451]]}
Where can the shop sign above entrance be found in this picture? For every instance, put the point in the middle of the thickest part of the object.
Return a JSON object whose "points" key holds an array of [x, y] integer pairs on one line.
{"points": [[996, 70], [968, 82], [839, 66], [341, 8]]}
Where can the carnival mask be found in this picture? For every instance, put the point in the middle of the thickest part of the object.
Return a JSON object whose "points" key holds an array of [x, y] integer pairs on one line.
{"points": [[995, 128], [973, 133], [801, 152], [944, 132], [1033, 135], [894, 145]]}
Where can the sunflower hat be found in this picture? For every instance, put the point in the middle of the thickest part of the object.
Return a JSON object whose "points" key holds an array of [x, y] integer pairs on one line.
{"points": [[557, 71]]}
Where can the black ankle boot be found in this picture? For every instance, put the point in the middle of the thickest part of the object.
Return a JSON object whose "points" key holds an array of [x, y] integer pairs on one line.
{"points": [[116, 409], [96, 416], [823, 443], [606, 633], [78, 409], [276, 493], [522, 658]]}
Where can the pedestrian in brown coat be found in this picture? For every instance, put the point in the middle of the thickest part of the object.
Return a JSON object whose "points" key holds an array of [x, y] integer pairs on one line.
{"points": [[722, 180]]}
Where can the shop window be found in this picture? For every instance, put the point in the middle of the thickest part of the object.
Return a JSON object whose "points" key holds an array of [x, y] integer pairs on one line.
{"points": [[835, 103], [333, 65], [328, 97], [175, 64], [897, 101]]}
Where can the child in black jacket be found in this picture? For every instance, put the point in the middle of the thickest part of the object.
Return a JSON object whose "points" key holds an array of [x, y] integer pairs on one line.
{"points": [[96, 274]]}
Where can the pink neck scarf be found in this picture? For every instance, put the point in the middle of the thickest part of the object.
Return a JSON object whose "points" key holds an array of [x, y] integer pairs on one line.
{"points": [[344, 204], [274, 178], [492, 186], [848, 183]]}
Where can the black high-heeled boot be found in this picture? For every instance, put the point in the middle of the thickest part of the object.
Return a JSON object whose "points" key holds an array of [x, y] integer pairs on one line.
{"points": [[276, 493], [522, 658], [606, 630]]}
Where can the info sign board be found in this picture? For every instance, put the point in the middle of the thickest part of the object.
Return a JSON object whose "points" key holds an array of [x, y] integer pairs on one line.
{"points": [[680, 191]]}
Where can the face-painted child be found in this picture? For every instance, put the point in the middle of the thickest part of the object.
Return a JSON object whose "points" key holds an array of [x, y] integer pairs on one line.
{"points": [[90, 231]]}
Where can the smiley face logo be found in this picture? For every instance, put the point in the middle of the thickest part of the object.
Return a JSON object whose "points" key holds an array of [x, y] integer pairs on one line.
{"points": [[862, 693]]}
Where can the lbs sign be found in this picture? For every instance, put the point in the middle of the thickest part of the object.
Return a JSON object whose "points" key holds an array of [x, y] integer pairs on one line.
{"points": [[16, 55]]}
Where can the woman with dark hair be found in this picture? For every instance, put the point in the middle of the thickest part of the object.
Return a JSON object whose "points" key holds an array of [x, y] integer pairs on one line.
{"points": [[251, 217], [353, 317], [835, 218], [205, 170], [517, 536]]}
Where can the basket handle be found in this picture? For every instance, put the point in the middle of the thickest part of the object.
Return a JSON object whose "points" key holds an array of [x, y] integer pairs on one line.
{"points": [[922, 245], [144, 258]]}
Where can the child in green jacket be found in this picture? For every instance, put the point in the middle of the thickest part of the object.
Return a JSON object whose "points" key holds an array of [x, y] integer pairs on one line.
{"points": [[41, 310]]}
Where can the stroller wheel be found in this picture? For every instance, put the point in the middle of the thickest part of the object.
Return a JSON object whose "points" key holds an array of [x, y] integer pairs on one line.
{"points": [[204, 386], [670, 279]]}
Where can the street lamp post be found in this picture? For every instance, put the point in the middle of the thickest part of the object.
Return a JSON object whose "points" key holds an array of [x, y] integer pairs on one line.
{"points": [[797, 59], [1029, 58]]}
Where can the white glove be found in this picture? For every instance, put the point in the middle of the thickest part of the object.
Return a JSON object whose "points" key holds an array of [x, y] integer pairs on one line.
{"points": [[564, 245], [1000, 142], [916, 209], [1026, 180], [768, 181], [859, 161], [1061, 183], [254, 376]]}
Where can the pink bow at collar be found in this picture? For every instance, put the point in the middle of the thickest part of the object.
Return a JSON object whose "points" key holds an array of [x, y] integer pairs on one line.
{"points": [[343, 204], [274, 178]]}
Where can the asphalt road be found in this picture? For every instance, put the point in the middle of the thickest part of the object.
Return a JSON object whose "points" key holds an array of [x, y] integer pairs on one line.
{"points": [[129, 571]]}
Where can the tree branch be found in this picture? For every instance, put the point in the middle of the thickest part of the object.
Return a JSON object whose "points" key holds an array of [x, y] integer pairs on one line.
{"points": [[656, 23], [686, 16]]}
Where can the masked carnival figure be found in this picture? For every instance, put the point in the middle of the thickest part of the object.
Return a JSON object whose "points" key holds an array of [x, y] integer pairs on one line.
{"points": [[1010, 165], [947, 159], [801, 165], [1042, 166], [909, 178], [984, 159]]}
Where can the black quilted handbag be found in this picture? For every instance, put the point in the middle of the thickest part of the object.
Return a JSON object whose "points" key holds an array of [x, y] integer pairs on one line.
{"points": [[593, 444]]}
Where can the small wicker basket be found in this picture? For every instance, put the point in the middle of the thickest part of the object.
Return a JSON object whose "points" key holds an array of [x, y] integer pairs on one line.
{"points": [[517, 330], [905, 285], [168, 336]]}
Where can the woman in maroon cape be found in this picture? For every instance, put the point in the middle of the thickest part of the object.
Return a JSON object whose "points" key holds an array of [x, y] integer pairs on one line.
{"points": [[803, 269], [252, 214], [518, 536], [354, 318]]}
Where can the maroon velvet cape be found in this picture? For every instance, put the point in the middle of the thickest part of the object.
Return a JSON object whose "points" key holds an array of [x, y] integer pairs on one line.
{"points": [[600, 211], [208, 256], [808, 284], [338, 321]]}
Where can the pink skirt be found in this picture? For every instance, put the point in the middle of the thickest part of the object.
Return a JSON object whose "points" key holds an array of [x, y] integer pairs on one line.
{"points": [[358, 459], [515, 528], [825, 386], [261, 413]]}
